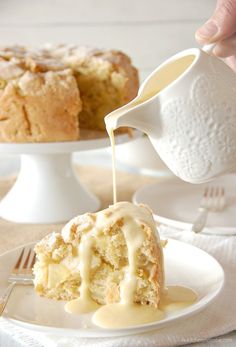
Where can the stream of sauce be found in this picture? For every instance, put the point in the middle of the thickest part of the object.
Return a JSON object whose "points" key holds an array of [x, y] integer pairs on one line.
{"points": [[113, 153]]}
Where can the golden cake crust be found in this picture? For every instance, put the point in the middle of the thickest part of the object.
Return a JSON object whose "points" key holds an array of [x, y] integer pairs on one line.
{"points": [[39, 101]]}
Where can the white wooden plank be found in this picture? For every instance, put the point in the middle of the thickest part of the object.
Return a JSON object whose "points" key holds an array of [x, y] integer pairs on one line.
{"points": [[147, 45], [23, 12]]}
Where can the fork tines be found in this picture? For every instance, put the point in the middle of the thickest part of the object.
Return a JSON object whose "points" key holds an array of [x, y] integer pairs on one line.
{"points": [[25, 262], [213, 198]]}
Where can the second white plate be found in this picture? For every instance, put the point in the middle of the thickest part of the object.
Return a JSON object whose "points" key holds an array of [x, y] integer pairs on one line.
{"points": [[175, 203]]}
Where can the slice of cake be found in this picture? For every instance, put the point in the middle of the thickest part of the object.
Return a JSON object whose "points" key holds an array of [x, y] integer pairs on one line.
{"points": [[111, 256], [39, 98], [106, 80]]}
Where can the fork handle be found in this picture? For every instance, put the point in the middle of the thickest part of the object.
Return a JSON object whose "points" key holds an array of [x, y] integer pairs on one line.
{"points": [[200, 221], [4, 299]]}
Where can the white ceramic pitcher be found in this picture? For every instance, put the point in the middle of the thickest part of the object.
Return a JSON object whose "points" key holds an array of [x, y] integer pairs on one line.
{"points": [[187, 107]]}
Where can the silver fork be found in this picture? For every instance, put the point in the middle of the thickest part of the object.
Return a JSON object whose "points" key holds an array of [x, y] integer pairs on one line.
{"points": [[213, 200], [20, 274]]}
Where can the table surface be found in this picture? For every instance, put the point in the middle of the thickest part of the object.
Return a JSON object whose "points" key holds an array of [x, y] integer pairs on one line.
{"points": [[101, 185]]}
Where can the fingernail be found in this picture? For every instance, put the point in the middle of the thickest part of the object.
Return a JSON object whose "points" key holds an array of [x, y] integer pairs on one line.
{"points": [[208, 30]]}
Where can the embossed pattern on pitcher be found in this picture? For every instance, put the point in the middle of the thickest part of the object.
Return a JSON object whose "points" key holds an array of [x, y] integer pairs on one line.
{"points": [[199, 129]]}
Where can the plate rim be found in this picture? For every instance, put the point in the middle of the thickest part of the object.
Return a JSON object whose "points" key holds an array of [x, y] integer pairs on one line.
{"points": [[65, 146], [100, 332]]}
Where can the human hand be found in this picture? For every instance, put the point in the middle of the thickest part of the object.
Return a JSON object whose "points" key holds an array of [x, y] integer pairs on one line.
{"points": [[221, 29]]}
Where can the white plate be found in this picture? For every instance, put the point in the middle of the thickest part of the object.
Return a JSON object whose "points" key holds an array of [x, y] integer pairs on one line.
{"points": [[175, 203], [184, 265]]}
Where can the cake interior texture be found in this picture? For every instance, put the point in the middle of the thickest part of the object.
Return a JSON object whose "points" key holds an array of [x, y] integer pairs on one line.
{"points": [[56, 270]]}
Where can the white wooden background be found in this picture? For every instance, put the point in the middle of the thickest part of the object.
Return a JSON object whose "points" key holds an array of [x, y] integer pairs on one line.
{"points": [[148, 30]]}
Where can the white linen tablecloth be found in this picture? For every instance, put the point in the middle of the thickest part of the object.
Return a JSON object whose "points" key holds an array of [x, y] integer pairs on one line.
{"points": [[218, 319]]}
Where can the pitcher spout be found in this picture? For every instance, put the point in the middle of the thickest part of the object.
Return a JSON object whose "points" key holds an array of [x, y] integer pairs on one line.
{"points": [[136, 114]]}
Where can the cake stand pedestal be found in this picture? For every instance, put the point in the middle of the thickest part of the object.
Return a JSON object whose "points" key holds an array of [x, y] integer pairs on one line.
{"points": [[47, 190]]}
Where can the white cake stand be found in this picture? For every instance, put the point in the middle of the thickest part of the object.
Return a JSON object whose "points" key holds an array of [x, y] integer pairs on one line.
{"points": [[47, 190]]}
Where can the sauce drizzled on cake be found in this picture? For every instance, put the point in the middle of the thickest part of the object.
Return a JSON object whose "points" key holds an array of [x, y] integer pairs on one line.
{"points": [[126, 312], [132, 228], [110, 262]]}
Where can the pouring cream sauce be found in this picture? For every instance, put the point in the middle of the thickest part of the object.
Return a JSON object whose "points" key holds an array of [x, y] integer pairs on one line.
{"points": [[126, 312]]}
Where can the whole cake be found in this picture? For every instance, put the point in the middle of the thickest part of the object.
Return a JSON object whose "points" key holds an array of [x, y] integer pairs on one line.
{"points": [[49, 93], [110, 254]]}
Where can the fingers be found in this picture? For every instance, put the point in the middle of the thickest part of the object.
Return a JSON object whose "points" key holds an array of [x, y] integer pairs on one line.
{"points": [[226, 48], [221, 29], [221, 25]]}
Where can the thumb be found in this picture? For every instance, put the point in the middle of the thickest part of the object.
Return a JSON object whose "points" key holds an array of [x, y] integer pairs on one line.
{"points": [[221, 25]]}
